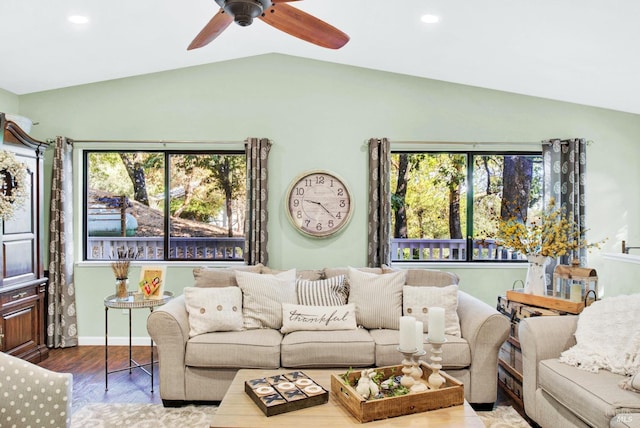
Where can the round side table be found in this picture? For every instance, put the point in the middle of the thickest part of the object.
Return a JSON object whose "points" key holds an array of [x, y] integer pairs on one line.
{"points": [[130, 303]]}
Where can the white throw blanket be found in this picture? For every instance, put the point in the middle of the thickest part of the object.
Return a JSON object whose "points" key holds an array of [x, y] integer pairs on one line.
{"points": [[608, 336]]}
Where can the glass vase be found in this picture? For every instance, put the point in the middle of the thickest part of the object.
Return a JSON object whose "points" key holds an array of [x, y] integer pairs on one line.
{"points": [[122, 288]]}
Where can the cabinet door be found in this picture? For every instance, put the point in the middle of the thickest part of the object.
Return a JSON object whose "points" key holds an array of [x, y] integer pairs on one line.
{"points": [[20, 234], [21, 323]]}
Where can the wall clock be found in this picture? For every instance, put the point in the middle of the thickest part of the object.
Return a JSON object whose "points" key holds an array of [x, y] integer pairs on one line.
{"points": [[319, 203]]}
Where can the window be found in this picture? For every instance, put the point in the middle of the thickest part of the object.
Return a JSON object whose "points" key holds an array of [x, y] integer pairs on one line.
{"points": [[446, 206], [164, 205]]}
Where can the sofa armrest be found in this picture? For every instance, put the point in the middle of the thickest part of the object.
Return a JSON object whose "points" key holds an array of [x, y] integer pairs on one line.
{"points": [[485, 329], [168, 327], [542, 338]]}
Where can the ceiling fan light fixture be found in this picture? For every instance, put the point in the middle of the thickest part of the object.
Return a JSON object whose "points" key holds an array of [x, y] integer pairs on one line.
{"points": [[430, 19], [244, 11]]}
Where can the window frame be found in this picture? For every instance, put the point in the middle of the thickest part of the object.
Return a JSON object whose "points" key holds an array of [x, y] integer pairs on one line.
{"points": [[470, 155], [167, 150]]}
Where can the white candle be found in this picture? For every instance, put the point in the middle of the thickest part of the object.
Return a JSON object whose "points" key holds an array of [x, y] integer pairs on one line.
{"points": [[436, 324], [407, 334], [420, 335], [575, 293]]}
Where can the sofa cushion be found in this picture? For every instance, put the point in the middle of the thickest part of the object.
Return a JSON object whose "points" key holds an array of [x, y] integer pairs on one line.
{"points": [[416, 302], [235, 349], [456, 353], [325, 292], [263, 295], [594, 397], [377, 298], [430, 277], [343, 348], [319, 318], [220, 277], [331, 272], [213, 309]]}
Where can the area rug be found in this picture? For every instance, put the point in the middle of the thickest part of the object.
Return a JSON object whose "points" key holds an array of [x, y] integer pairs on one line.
{"points": [[156, 416], [503, 417]]}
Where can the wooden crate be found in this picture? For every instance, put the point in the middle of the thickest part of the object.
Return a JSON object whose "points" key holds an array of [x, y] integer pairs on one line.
{"points": [[285, 393], [563, 305], [450, 394]]}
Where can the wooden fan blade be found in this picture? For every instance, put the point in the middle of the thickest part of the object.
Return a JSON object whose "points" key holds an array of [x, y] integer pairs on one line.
{"points": [[304, 26], [213, 29]]}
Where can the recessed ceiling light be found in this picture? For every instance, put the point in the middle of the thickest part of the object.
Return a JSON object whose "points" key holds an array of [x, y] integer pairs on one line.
{"points": [[430, 19], [78, 19]]}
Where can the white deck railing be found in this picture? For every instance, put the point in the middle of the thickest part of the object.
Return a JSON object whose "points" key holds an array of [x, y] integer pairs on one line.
{"points": [[152, 248], [448, 249]]}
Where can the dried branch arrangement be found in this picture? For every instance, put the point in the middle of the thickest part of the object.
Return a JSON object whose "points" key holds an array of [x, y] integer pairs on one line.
{"points": [[122, 262]]}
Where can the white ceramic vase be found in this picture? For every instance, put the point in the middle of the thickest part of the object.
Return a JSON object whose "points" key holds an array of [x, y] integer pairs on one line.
{"points": [[535, 282]]}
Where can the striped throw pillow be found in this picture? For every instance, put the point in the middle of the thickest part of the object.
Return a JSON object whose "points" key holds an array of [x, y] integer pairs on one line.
{"points": [[263, 296], [324, 292], [377, 298]]}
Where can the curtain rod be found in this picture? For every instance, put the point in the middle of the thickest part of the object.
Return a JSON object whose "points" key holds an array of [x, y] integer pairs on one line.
{"points": [[467, 143], [72, 140]]}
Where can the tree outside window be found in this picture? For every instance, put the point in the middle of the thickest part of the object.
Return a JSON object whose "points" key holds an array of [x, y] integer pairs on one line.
{"points": [[446, 206], [128, 194]]}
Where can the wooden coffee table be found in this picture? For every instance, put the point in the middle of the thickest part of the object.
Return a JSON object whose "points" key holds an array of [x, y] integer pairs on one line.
{"points": [[238, 410]]}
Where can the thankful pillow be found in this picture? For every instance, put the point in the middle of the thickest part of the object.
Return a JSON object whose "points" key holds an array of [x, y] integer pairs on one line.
{"points": [[213, 309], [303, 317], [416, 302], [377, 298], [324, 292], [263, 296]]}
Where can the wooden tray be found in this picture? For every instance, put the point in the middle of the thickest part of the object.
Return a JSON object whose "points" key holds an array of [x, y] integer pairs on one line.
{"points": [[545, 302], [450, 394], [285, 392]]}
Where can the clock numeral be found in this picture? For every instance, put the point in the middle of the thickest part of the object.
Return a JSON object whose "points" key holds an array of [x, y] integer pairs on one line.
{"points": [[330, 224], [339, 215], [308, 182], [296, 203], [307, 223], [340, 192], [299, 191], [343, 203], [298, 214], [320, 179], [319, 227]]}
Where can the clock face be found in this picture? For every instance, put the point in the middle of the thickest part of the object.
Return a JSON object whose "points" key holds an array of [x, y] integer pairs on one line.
{"points": [[319, 203]]}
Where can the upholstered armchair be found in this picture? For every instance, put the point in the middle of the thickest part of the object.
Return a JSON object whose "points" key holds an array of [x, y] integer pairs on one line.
{"points": [[33, 396]]}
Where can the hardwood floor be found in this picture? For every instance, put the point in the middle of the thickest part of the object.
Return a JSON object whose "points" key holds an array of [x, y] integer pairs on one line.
{"points": [[86, 363]]}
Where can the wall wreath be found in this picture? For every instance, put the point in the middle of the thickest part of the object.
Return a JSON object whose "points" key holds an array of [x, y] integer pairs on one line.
{"points": [[13, 185]]}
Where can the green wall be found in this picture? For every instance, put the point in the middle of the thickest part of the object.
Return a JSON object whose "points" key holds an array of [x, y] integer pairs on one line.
{"points": [[9, 102], [319, 115]]}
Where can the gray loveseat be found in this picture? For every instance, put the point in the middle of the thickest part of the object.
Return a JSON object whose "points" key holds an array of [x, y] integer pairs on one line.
{"points": [[558, 395], [201, 368]]}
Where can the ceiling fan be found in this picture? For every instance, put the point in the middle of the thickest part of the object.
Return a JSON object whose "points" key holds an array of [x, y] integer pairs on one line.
{"points": [[276, 13]]}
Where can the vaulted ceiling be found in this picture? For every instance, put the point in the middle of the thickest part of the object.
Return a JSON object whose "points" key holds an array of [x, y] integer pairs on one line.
{"points": [[577, 51]]}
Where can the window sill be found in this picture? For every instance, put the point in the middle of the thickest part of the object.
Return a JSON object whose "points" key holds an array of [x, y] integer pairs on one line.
{"points": [[621, 257], [456, 265]]}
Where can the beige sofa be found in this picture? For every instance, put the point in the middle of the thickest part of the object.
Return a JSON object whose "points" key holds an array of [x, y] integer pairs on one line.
{"points": [[558, 395], [202, 367]]}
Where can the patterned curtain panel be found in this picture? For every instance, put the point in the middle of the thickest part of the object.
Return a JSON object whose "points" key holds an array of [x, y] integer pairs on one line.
{"points": [[379, 239], [565, 164], [62, 329], [256, 236]]}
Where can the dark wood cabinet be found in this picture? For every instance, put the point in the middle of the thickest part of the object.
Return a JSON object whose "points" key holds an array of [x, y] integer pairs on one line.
{"points": [[23, 284]]}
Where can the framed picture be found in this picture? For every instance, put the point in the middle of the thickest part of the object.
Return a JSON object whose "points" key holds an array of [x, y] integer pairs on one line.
{"points": [[152, 281]]}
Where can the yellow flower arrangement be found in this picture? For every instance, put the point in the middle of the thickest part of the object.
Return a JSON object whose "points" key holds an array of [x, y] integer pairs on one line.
{"points": [[551, 235]]}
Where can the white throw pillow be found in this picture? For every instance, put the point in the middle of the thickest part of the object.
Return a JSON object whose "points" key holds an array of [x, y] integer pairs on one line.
{"points": [[377, 298], [631, 383], [304, 317], [263, 296], [417, 300], [213, 309], [324, 292]]}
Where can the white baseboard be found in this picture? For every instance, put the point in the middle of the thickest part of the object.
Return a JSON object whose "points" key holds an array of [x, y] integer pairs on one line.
{"points": [[113, 341]]}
